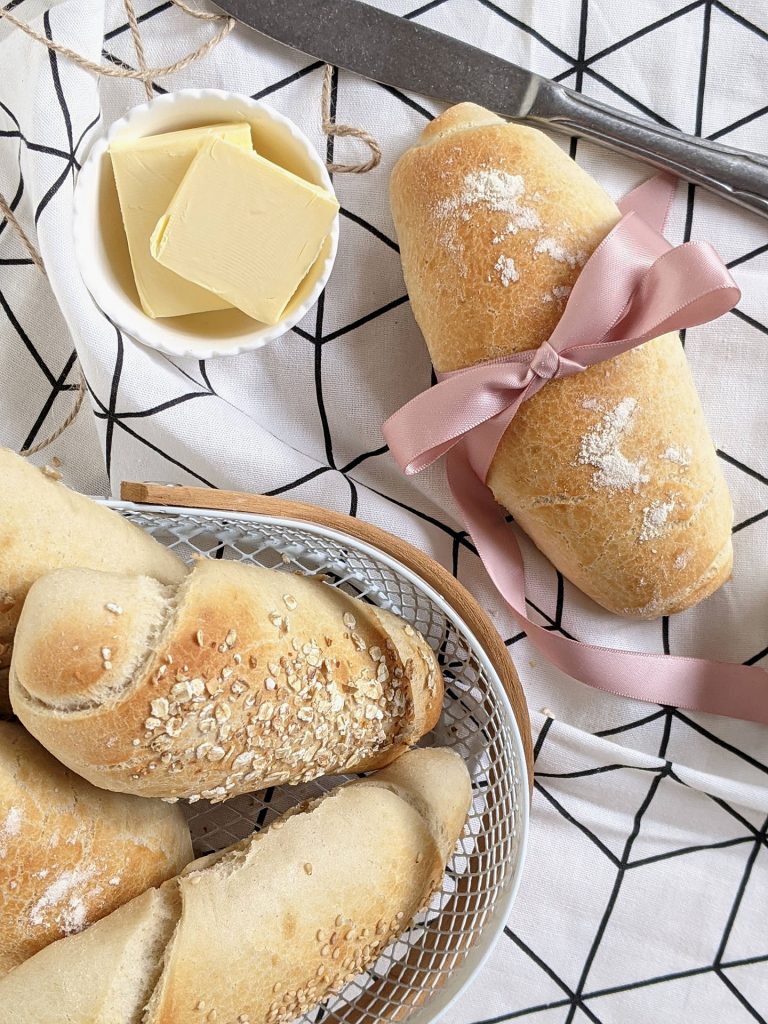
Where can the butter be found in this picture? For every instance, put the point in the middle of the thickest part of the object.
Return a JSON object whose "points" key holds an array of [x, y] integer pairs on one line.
{"points": [[148, 172], [244, 228]]}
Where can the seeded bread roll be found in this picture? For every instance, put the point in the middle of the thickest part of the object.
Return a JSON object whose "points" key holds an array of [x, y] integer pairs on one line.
{"points": [[70, 853], [611, 472], [45, 526], [263, 931], [238, 679]]}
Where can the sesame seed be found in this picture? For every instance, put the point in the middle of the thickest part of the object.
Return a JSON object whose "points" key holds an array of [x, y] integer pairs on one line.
{"points": [[320, 971], [106, 653], [49, 471], [136, 743], [399, 915], [226, 673], [419, 857], [212, 1015], [200, 1005], [230, 638], [349, 620], [326, 950], [307, 869], [237, 658], [290, 601], [277, 987], [114, 608], [200, 638], [336, 954], [107, 665], [152, 723], [320, 936]]}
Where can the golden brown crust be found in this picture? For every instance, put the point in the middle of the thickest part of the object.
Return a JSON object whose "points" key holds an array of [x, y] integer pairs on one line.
{"points": [[45, 526], [240, 679], [266, 929], [611, 472], [69, 853]]}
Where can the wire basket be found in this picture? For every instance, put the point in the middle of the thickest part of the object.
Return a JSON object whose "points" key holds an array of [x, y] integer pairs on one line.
{"points": [[422, 972]]}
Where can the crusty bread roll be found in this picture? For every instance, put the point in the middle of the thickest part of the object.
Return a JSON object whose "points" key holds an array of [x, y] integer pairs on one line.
{"points": [[70, 853], [238, 679], [610, 472], [45, 526], [266, 929]]}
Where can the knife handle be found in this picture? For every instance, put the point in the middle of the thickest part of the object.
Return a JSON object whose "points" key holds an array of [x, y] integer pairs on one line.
{"points": [[734, 174]]}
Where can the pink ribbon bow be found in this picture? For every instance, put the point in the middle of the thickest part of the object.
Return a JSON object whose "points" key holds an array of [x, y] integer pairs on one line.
{"points": [[634, 287]]}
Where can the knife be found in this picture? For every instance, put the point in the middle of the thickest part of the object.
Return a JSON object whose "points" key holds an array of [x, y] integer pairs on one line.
{"points": [[402, 53]]}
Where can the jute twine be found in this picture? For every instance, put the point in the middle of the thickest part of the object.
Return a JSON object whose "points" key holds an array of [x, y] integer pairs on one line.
{"points": [[146, 75]]}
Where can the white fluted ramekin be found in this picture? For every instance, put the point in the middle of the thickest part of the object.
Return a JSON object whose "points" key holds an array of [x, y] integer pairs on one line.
{"points": [[101, 249]]}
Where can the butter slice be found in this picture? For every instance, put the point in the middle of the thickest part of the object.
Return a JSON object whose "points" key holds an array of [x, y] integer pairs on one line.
{"points": [[148, 172], [244, 228]]}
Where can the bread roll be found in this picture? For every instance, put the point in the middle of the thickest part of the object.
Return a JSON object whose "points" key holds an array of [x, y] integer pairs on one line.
{"points": [[70, 853], [238, 679], [45, 526], [610, 472], [268, 928]]}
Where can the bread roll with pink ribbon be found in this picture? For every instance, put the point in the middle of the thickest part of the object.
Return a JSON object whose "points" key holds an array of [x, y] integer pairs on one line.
{"points": [[611, 470]]}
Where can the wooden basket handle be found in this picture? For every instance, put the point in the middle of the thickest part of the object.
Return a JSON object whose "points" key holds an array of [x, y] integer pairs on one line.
{"points": [[427, 568]]}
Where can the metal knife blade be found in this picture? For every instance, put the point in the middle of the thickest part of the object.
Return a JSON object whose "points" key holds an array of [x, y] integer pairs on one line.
{"points": [[393, 51], [399, 52]]}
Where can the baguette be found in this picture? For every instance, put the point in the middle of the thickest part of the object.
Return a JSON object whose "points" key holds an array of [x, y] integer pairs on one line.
{"points": [[262, 931], [610, 472], [238, 679], [45, 526], [69, 853]]}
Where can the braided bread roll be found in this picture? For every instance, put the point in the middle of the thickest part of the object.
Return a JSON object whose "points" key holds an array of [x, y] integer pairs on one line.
{"points": [[46, 526], [611, 472], [262, 931], [69, 853], [238, 679]]}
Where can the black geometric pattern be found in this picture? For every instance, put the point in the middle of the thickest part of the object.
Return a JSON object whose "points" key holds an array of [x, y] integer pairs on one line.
{"points": [[646, 888]]}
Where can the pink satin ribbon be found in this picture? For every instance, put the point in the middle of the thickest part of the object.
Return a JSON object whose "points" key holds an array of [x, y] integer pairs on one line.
{"points": [[634, 287]]}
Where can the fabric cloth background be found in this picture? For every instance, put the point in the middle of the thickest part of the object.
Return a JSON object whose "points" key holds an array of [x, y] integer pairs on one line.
{"points": [[646, 891]]}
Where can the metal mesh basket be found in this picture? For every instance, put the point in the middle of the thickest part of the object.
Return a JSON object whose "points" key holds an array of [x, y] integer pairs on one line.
{"points": [[419, 974]]}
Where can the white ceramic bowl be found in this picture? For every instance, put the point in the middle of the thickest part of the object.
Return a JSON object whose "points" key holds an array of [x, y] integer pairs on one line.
{"points": [[101, 249]]}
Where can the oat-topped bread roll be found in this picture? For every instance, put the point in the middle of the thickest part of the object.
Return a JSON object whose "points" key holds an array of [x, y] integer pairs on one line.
{"points": [[45, 526], [238, 679], [611, 472], [263, 931], [70, 853]]}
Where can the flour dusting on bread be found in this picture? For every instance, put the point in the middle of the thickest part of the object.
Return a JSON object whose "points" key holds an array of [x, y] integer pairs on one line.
{"points": [[557, 251], [507, 271], [680, 456], [655, 518], [600, 449], [490, 189]]}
